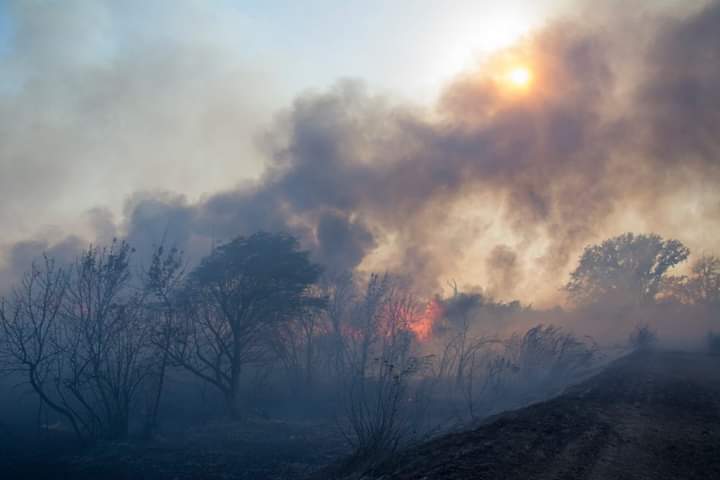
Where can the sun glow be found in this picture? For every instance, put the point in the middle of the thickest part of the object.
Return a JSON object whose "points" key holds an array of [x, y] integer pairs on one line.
{"points": [[520, 77], [469, 33]]}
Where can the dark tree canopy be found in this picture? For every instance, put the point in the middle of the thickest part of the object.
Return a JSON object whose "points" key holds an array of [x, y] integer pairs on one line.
{"points": [[627, 269], [237, 297], [260, 275]]}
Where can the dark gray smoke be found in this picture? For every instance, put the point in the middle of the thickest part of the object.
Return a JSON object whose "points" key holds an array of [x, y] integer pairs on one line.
{"points": [[593, 148]]}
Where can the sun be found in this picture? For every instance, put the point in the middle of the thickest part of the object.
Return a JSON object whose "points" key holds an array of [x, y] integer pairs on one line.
{"points": [[520, 77]]}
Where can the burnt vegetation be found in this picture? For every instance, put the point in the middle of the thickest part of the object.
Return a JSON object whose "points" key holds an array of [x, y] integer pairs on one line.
{"points": [[108, 349], [325, 298]]}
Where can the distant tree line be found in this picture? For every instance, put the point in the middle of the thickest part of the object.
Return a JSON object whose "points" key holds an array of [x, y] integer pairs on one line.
{"points": [[635, 270]]}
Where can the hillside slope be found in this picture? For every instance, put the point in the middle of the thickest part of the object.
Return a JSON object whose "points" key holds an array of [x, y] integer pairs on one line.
{"points": [[647, 416]]}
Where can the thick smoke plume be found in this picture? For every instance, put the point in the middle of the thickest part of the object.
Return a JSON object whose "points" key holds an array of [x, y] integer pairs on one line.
{"points": [[490, 186]]}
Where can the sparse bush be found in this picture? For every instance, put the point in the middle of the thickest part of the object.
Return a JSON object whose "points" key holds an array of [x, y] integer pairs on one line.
{"points": [[383, 381], [504, 374], [642, 338], [542, 362]]}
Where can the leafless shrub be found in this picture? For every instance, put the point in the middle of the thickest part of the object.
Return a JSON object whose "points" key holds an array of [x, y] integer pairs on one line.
{"points": [[296, 345], [107, 352], [162, 282], [79, 337], [381, 399], [524, 368], [642, 338], [31, 324]]}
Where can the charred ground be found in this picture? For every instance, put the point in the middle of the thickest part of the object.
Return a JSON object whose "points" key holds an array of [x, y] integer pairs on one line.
{"points": [[651, 415], [250, 450]]}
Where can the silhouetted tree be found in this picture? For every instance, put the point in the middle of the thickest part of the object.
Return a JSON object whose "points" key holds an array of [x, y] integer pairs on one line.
{"points": [[30, 319], [163, 281], [107, 351], [80, 338], [234, 299], [380, 398], [366, 320], [700, 287], [296, 343], [627, 269], [704, 284], [341, 295]]}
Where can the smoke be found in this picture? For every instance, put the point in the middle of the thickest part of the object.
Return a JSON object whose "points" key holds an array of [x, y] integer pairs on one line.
{"points": [[680, 103], [98, 99], [502, 265], [490, 186], [23, 254]]}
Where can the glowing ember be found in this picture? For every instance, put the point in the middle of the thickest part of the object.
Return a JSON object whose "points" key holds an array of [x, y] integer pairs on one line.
{"points": [[422, 324]]}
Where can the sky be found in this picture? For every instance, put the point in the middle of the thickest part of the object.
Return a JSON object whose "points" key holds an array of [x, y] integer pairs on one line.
{"points": [[208, 119], [262, 53]]}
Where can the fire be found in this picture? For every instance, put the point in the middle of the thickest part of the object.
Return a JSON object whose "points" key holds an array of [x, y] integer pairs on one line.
{"points": [[407, 317], [421, 325]]}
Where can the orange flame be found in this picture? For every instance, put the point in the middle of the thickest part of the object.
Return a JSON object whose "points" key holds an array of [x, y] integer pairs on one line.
{"points": [[422, 324]]}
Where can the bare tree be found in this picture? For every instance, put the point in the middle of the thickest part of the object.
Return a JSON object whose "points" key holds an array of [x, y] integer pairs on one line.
{"points": [[341, 294], [459, 314], [295, 342], [163, 282], [79, 336], [379, 401], [315, 340], [366, 323], [106, 349], [30, 320]]}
